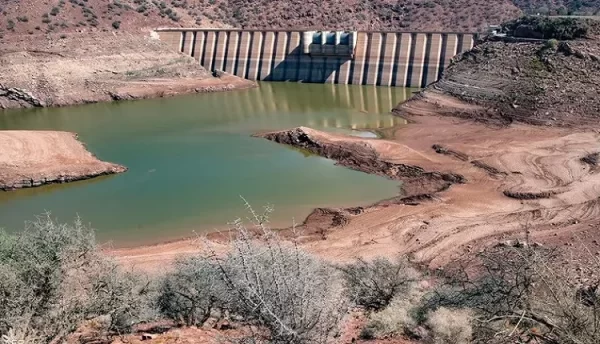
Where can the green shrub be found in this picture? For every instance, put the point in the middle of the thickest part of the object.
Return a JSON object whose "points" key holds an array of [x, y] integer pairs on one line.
{"points": [[552, 44], [116, 24], [54, 11]]}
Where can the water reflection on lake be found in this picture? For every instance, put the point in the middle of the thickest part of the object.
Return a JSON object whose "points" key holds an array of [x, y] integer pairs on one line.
{"points": [[190, 158]]}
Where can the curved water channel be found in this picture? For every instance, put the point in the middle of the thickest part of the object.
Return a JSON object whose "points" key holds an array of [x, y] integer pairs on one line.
{"points": [[191, 157]]}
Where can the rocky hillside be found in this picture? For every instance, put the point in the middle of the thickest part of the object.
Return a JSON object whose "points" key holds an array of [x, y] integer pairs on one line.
{"points": [[544, 82], [559, 7], [30, 17]]}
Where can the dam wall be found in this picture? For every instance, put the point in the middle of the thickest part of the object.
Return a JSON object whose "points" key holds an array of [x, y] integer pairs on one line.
{"points": [[404, 59]]}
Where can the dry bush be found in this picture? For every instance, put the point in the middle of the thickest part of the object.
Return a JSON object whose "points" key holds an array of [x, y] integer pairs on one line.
{"points": [[450, 326], [292, 296], [192, 291], [373, 284], [397, 318], [53, 276], [522, 293]]}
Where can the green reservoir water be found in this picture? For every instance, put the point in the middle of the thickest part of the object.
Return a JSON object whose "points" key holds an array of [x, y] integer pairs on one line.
{"points": [[190, 158]]}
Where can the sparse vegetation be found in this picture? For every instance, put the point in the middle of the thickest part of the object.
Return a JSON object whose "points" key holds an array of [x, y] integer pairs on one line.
{"points": [[373, 284], [292, 295], [547, 28], [523, 293], [53, 277]]}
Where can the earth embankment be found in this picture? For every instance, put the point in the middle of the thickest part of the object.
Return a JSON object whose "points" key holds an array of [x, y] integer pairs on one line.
{"points": [[35, 158]]}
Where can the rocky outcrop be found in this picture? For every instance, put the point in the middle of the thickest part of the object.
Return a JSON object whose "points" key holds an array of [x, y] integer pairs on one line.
{"points": [[19, 97], [59, 178]]}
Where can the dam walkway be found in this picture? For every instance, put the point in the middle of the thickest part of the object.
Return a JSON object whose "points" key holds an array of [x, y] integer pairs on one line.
{"points": [[403, 59]]}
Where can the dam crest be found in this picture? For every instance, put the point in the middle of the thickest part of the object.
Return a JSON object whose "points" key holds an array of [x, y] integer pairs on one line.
{"points": [[403, 59]]}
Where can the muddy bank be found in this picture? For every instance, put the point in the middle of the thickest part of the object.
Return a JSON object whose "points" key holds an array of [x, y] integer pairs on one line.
{"points": [[35, 158], [79, 68], [362, 155]]}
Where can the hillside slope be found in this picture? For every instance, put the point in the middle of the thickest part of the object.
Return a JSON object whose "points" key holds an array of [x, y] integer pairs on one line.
{"points": [[33, 16], [559, 7], [554, 83]]}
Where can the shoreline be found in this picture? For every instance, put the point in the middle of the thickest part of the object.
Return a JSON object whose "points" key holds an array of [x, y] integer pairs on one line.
{"points": [[437, 227]]}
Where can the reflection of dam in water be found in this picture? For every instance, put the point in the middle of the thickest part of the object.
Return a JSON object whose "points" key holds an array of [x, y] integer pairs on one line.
{"points": [[403, 59], [364, 104]]}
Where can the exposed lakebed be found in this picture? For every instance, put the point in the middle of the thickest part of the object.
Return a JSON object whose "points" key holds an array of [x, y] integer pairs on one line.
{"points": [[190, 158]]}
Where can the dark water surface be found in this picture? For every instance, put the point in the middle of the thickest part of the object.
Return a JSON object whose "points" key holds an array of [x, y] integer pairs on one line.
{"points": [[190, 158]]}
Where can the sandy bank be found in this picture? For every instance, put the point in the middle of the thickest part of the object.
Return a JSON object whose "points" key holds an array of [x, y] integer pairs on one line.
{"points": [[34, 158], [40, 70]]}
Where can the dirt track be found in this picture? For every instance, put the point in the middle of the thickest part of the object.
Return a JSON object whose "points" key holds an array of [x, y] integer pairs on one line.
{"points": [[34, 158]]}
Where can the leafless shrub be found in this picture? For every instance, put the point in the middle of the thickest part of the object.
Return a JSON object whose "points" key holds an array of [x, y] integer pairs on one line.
{"points": [[450, 326], [277, 286], [397, 318], [373, 284], [192, 291], [523, 294], [53, 276]]}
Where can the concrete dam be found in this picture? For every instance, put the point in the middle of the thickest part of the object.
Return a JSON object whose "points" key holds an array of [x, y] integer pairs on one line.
{"points": [[403, 59]]}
